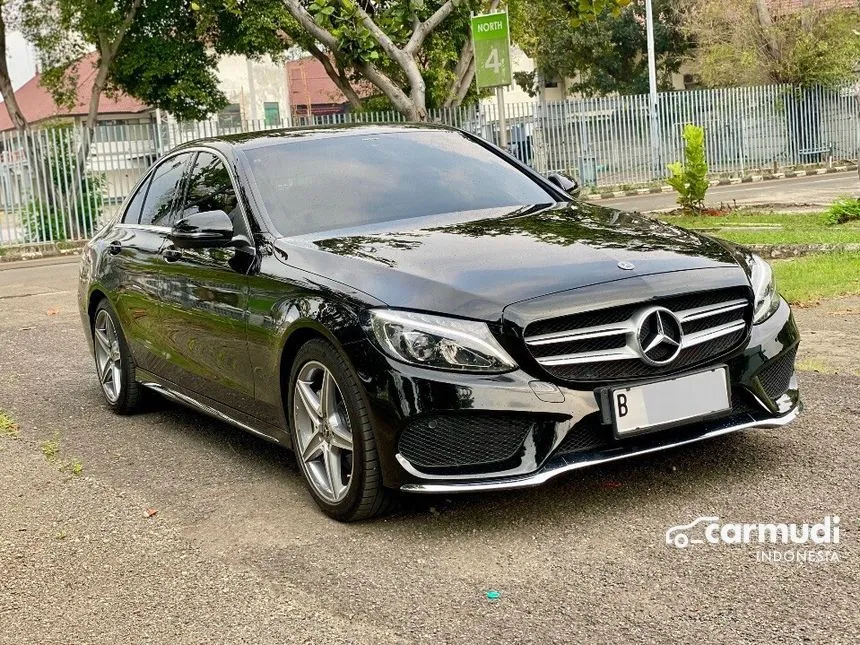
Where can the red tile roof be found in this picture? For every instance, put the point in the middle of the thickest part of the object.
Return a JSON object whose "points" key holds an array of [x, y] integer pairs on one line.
{"points": [[37, 104]]}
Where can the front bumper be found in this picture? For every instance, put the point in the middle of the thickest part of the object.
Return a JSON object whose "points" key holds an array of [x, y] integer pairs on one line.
{"points": [[560, 428]]}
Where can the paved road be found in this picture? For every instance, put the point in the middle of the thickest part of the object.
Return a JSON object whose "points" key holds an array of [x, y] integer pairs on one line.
{"points": [[813, 190], [238, 553]]}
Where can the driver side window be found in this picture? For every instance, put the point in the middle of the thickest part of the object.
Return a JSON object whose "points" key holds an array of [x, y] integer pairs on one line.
{"points": [[210, 189]]}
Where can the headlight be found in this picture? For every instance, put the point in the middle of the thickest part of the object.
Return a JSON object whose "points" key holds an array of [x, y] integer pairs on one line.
{"points": [[764, 288], [438, 342]]}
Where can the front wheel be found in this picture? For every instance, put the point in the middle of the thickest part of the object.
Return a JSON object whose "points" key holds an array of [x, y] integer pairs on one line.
{"points": [[115, 366], [332, 436]]}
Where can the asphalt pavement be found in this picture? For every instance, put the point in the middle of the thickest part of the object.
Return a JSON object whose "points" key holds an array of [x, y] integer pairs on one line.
{"points": [[183, 530]]}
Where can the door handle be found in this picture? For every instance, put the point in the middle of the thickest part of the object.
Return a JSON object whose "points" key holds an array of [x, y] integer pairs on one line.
{"points": [[114, 247], [171, 254]]}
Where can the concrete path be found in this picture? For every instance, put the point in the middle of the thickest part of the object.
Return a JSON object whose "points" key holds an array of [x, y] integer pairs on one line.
{"points": [[816, 190]]}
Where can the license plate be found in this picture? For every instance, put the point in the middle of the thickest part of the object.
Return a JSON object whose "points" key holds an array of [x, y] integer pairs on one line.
{"points": [[642, 408]]}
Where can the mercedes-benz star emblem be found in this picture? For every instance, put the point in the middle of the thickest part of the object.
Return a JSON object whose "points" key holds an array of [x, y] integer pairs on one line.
{"points": [[626, 266], [659, 336]]}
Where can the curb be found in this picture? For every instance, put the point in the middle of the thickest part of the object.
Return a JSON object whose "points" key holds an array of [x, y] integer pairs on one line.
{"points": [[748, 179]]}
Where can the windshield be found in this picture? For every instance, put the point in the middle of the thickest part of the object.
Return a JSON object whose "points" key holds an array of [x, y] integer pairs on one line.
{"points": [[337, 182]]}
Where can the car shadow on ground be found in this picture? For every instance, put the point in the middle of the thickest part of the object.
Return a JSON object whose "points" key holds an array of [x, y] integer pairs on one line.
{"points": [[691, 471]]}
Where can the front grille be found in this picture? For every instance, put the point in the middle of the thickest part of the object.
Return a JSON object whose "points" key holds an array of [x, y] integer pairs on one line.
{"points": [[601, 345], [775, 376], [462, 440]]}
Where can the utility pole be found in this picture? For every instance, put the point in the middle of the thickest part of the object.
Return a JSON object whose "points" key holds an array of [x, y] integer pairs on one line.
{"points": [[657, 166]]}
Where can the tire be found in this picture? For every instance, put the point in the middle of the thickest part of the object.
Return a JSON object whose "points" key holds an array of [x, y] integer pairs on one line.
{"points": [[318, 432], [116, 359]]}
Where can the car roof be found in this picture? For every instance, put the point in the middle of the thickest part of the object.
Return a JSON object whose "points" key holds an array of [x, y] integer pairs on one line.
{"points": [[249, 140]]}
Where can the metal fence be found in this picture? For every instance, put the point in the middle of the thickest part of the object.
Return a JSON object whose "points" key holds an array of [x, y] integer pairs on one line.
{"points": [[48, 194]]}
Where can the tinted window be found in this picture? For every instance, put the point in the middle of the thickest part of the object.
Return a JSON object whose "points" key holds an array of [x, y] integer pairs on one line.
{"points": [[162, 190], [209, 188], [132, 213], [327, 183]]}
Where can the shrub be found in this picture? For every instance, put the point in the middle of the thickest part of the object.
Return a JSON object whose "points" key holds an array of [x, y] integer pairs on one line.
{"points": [[844, 209], [66, 201], [690, 178]]}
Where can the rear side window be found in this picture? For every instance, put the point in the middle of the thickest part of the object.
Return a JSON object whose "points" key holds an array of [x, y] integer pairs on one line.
{"points": [[132, 213], [209, 188], [158, 205]]}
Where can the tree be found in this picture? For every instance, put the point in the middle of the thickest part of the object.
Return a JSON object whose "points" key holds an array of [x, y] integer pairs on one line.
{"points": [[142, 49], [15, 114], [605, 54], [416, 53], [745, 42]]}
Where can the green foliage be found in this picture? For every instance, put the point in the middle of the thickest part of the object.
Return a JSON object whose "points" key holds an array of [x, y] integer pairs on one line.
{"points": [[844, 209], [158, 60], [51, 447], [742, 42], [603, 54], [66, 204], [690, 178], [8, 427]]}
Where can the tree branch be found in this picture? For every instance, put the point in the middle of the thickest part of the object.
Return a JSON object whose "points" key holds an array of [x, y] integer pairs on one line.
{"points": [[306, 20], [422, 30], [336, 75]]}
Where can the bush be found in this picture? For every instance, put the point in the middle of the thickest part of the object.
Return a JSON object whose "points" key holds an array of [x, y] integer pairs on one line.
{"points": [[844, 209], [67, 202], [690, 178]]}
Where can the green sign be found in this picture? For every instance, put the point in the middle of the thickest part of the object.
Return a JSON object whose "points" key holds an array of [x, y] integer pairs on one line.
{"points": [[492, 42]]}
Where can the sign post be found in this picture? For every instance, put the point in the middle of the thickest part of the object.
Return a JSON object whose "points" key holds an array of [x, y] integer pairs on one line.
{"points": [[491, 39]]}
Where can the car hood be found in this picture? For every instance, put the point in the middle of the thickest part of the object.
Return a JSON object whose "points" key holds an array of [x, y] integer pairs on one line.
{"points": [[474, 264]]}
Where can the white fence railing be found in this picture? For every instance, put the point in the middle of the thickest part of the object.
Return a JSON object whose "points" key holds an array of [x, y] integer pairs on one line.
{"points": [[46, 195]]}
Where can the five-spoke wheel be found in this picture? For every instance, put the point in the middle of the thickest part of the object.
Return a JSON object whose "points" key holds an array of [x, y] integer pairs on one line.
{"points": [[332, 435], [115, 366], [108, 356], [322, 428]]}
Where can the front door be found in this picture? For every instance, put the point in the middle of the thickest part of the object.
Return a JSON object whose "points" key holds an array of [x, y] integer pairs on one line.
{"points": [[205, 298], [134, 248]]}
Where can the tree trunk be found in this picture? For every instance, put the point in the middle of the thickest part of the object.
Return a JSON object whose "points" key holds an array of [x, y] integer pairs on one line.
{"points": [[15, 114], [338, 77]]}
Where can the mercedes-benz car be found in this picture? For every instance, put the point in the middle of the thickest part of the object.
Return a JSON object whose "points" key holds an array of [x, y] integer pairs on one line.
{"points": [[412, 309]]}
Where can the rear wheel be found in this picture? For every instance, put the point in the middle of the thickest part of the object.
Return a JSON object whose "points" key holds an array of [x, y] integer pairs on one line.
{"points": [[115, 366], [332, 436]]}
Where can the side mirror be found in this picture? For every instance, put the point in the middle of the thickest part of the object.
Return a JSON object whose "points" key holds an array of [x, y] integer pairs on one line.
{"points": [[206, 230], [567, 184]]}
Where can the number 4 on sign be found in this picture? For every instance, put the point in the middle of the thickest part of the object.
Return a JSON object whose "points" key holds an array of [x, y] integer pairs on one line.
{"points": [[493, 61]]}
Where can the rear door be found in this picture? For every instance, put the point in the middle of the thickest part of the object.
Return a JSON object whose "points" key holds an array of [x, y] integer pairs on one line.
{"points": [[135, 262], [206, 296]]}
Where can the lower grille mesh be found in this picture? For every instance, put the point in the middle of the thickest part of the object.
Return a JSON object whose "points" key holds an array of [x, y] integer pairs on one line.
{"points": [[452, 440], [776, 375]]}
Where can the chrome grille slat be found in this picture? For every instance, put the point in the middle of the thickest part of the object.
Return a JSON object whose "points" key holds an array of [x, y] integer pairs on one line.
{"points": [[705, 335], [620, 354], [712, 323], [598, 331], [710, 310]]}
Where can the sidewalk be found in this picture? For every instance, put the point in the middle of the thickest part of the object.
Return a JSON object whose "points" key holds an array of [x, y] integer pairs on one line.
{"points": [[811, 190]]}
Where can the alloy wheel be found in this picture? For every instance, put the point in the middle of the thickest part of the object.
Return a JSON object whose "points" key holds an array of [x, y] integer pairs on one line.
{"points": [[108, 356], [323, 432]]}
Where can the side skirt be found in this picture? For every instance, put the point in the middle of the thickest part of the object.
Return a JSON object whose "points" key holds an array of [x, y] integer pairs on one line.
{"points": [[213, 408]]}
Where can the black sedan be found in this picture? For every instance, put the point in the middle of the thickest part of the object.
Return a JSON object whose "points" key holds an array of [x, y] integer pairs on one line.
{"points": [[409, 308]]}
